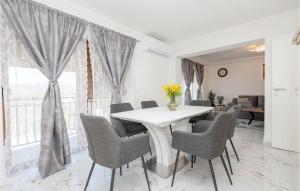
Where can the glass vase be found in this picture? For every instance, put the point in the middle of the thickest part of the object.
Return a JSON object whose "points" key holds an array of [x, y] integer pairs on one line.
{"points": [[172, 104]]}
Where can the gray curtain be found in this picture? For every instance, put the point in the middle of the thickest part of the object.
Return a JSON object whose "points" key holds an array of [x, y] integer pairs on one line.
{"points": [[50, 37], [114, 52], [187, 67], [199, 69]]}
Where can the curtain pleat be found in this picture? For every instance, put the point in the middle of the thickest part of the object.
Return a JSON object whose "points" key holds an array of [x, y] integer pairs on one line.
{"points": [[114, 51], [187, 67], [199, 70]]}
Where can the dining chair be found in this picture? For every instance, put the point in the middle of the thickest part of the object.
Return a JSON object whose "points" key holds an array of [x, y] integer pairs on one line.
{"points": [[207, 116], [108, 149], [209, 144], [126, 128], [130, 128], [150, 104], [237, 109], [203, 125]]}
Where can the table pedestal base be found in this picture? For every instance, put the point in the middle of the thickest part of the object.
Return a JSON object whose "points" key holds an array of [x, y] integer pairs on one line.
{"points": [[162, 170]]}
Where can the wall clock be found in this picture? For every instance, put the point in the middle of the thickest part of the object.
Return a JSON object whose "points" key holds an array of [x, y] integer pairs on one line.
{"points": [[222, 72]]}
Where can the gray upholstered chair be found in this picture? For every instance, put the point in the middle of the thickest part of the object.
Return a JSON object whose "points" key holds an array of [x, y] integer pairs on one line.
{"points": [[108, 149], [150, 104], [203, 125], [237, 110], [126, 128], [129, 127], [208, 145], [208, 116]]}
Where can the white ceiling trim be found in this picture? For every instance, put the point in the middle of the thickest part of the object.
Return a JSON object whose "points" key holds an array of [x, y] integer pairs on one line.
{"points": [[238, 61]]}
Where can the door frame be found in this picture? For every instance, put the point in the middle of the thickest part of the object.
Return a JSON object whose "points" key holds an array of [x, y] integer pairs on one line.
{"points": [[267, 82]]}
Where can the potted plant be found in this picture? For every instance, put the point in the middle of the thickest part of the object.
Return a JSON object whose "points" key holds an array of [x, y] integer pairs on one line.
{"points": [[172, 91], [211, 97]]}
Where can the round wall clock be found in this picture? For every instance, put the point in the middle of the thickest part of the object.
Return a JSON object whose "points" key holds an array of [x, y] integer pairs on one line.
{"points": [[222, 72]]}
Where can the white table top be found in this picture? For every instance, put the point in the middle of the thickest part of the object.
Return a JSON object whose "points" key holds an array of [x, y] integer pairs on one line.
{"points": [[161, 116]]}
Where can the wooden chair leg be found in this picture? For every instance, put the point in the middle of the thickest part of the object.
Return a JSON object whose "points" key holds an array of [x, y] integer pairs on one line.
{"points": [[128, 165], [226, 169], [90, 174], [228, 159], [120, 171], [237, 157], [145, 171], [192, 161], [112, 180], [213, 175], [175, 168]]}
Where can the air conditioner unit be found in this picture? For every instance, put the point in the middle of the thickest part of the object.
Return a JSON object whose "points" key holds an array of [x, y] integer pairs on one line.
{"points": [[157, 46]]}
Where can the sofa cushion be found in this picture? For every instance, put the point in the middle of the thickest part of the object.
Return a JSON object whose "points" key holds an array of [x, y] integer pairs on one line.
{"points": [[252, 99]]}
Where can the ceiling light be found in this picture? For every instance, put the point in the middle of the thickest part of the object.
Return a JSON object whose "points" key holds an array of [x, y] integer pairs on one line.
{"points": [[257, 48]]}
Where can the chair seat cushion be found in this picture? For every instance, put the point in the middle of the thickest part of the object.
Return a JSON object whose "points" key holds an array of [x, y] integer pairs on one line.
{"points": [[125, 122], [201, 126], [134, 129], [197, 118]]}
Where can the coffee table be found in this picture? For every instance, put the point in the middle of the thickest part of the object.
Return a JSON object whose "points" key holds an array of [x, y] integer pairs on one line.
{"points": [[253, 110]]}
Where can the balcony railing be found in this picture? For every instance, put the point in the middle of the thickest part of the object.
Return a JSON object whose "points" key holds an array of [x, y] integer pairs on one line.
{"points": [[25, 117]]}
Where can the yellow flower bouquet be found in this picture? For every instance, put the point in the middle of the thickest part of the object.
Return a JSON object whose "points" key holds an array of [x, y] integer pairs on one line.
{"points": [[172, 91]]}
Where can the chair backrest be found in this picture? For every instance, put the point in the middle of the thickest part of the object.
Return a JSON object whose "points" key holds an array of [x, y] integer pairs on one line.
{"points": [[148, 104], [201, 103], [217, 133], [236, 109], [103, 141], [119, 107]]}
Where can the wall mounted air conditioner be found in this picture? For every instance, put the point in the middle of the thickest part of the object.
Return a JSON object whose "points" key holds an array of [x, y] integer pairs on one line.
{"points": [[157, 46]]}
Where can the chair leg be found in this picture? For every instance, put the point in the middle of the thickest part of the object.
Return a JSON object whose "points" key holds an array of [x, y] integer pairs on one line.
{"points": [[171, 129], [213, 175], [195, 159], [192, 161], [237, 157], [128, 165], [112, 179], [120, 171], [145, 171], [150, 150], [175, 168], [90, 174], [228, 159], [226, 169]]}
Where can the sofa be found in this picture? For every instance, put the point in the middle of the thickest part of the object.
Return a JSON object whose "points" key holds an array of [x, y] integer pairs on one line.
{"points": [[250, 100]]}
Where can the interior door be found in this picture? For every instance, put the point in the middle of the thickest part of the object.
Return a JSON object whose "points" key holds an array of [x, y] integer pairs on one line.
{"points": [[284, 94]]}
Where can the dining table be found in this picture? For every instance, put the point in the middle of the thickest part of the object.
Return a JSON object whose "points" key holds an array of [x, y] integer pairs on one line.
{"points": [[157, 121]]}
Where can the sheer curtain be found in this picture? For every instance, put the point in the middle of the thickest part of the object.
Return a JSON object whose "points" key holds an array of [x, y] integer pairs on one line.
{"points": [[24, 89], [100, 104], [14, 61]]}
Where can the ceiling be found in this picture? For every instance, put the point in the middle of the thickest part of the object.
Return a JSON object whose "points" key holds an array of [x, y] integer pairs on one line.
{"points": [[227, 55], [176, 20]]}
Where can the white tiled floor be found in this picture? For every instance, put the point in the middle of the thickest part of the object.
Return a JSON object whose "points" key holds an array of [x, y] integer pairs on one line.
{"points": [[260, 168]]}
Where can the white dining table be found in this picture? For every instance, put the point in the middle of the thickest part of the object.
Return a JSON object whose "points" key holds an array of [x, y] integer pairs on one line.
{"points": [[157, 121]]}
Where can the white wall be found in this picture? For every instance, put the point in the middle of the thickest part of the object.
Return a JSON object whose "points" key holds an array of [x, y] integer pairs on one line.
{"points": [[146, 76], [265, 28], [244, 78]]}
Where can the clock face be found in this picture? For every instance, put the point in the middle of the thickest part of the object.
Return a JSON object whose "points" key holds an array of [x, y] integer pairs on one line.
{"points": [[222, 72]]}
